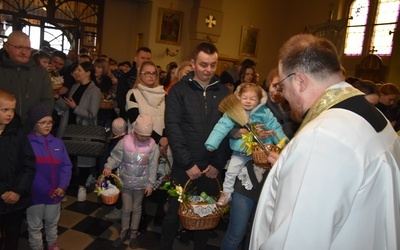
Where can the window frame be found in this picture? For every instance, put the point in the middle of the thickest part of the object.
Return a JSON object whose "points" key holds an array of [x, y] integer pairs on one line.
{"points": [[369, 30]]}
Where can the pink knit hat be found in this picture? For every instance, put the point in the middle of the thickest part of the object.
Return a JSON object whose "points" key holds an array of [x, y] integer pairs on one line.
{"points": [[143, 125]]}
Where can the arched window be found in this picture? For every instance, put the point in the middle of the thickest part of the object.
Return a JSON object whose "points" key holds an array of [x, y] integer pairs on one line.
{"points": [[384, 26], [370, 27], [355, 34], [65, 24]]}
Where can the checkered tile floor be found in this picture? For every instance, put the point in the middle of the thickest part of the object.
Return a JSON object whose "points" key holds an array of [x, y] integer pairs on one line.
{"points": [[82, 226]]}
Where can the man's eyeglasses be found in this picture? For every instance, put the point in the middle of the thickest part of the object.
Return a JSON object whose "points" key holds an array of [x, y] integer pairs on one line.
{"points": [[21, 48], [48, 123], [279, 85], [148, 73]]}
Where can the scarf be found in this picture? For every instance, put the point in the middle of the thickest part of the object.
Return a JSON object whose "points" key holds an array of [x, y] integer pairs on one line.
{"points": [[151, 101]]}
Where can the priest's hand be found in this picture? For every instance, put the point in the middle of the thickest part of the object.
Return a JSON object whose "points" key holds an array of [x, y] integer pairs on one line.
{"points": [[273, 157]]}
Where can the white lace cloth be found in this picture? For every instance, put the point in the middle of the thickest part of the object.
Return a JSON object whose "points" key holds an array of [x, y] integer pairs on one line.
{"points": [[110, 191], [245, 178], [202, 209]]}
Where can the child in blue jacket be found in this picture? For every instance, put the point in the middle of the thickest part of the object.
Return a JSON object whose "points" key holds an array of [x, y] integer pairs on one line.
{"points": [[53, 174], [252, 98]]}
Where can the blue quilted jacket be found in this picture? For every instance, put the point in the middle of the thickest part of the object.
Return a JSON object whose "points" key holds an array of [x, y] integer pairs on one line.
{"points": [[259, 115]]}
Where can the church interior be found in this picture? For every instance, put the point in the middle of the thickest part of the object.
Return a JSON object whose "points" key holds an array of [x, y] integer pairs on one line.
{"points": [[253, 29]]}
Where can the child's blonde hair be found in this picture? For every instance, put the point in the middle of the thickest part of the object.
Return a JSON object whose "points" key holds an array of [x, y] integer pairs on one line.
{"points": [[246, 87], [6, 96]]}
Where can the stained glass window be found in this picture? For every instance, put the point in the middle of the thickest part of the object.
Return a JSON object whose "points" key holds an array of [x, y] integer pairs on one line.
{"points": [[382, 29], [385, 24], [358, 16]]}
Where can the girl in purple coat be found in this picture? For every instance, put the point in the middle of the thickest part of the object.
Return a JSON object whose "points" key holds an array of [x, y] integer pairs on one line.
{"points": [[53, 174]]}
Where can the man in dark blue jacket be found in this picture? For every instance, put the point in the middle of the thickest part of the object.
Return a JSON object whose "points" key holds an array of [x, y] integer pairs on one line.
{"points": [[191, 113]]}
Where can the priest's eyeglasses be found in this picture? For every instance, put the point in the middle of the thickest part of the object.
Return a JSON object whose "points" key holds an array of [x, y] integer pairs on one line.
{"points": [[279, 85]]}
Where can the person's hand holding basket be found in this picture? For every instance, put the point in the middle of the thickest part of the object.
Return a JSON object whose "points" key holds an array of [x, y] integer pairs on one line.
{"points": [[197, 212]]}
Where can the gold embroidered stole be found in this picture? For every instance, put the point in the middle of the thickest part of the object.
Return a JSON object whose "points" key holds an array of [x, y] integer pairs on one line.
{"points": [[329, 98]]}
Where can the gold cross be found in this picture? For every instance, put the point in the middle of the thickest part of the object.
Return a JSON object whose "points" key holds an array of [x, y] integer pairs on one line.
{"points": [[210, 21]]}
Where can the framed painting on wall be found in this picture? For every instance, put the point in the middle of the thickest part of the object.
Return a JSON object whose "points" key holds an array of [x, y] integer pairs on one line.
{"points": [[169, 26], [248, 41]]}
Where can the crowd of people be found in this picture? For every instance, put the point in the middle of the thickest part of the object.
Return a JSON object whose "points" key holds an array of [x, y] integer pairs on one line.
{"points": [[335, 185]]}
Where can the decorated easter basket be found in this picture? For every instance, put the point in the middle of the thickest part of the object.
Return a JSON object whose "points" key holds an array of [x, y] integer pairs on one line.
{"points": [[191, 220], [108, 196], [57, 81], [260, 157]]}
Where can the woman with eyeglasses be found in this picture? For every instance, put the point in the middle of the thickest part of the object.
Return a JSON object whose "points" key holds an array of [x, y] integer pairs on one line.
{"points": [[278, 104], [80, 107], [148, 97]]}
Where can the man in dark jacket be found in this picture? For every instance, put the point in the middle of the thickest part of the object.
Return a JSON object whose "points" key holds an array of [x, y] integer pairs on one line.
{"points": [[191, 113], [126, 81], [17, 171], [20, 75]]}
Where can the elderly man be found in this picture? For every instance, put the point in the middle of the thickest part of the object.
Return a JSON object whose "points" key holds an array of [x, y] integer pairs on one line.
{"points": [[336, 184], [20, 76]]}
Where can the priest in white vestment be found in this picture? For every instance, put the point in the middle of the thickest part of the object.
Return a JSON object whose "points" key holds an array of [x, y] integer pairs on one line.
{"points": [[336, 184]]}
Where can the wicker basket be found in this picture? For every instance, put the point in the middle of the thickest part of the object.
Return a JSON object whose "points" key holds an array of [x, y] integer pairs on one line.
{"points": [[106, 104], [193, 221], [56, 86], [110, 199], [260, 157]]}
